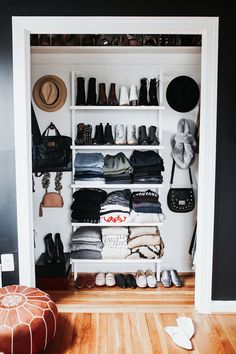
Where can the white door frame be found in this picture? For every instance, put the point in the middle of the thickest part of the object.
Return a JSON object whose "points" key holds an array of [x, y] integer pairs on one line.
{"points": [[208, 28]]}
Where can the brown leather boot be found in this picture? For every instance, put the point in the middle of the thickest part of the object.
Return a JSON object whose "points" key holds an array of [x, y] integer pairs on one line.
{"points": [[102, 98], [112, 99]]}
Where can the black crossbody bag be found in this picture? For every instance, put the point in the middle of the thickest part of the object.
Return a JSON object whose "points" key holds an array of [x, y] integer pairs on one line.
{"points": [[180, 200]]}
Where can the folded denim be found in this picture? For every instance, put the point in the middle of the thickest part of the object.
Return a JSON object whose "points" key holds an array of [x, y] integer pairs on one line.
{"points": [[88, 174], [121, 176], [97, 179], [91, 160], [145, 158], [85, 254], [116, 164], [88, 170]]}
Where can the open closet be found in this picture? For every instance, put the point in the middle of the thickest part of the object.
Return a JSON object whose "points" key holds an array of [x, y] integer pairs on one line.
{"points": [[123, 60]]}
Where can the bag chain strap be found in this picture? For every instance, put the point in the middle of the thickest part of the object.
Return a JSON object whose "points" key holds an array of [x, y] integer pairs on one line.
{"points": [[46, 181]]}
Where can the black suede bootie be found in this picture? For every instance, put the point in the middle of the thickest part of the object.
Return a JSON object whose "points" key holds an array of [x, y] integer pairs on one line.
{"points": [[49, 256], [59, 249], [143, 93], [152, 138], [80, 99], [108, 140], [99, 135], [92, 96], [142, 135], [153, 101]]}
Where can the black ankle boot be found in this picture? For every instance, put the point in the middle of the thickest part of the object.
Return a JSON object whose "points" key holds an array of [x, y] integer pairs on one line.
{"points": [[80, 99], [142, 135], [108, 140], [99, 136], [80, 134], [88, 135], [143, 93], [59, 249], [92, 96], [152, 138], [49, 249], [153, 101]]}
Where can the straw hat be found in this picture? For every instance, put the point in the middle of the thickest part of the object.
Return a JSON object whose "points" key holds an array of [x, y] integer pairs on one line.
{"points": [[49, 93]]}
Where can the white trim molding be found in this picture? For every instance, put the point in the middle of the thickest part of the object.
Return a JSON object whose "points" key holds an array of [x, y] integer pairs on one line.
{"points": [[223, 306], [208, 28]]}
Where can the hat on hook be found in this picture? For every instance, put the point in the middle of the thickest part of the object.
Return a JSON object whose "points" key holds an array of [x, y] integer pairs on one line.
{"points": [[182, 94], [49, 93]]}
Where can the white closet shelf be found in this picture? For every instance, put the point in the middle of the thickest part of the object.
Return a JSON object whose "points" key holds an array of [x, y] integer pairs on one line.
{"points": [[117, 108], [79, 224], [117, 186], [113, 260], [117, 147]]}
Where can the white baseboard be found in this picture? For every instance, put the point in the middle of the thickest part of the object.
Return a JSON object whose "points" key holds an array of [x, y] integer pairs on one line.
{"points": [[223, 306]]}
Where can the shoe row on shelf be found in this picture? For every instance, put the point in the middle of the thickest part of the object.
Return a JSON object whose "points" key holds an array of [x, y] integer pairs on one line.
{"points": [[123, 135], [140, 279], [115, 40], [127, 97]]}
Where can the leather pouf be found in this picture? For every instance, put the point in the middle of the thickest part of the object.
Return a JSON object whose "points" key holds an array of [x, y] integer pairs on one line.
{"points": [[27, 320]]}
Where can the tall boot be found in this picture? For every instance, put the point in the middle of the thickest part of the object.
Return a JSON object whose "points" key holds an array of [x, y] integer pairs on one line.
{"points": [[109, 140], [152, 138], [142, 135], [143, 93], [80, 134], [80, 99], [131, 134], [59, 249], [102, 98], [49, 256], [99, 136], [153, 101], [92, 96], [112, 99]]}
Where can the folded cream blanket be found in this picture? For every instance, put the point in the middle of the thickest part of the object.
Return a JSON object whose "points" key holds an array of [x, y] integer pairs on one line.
{"points": [[144, 240], [115, 240], [148, 252], [115, 253], [135, 231], [115, 231]]}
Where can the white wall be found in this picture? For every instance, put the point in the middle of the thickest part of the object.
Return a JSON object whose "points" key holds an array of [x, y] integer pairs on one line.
{"points": [[177, 229]]}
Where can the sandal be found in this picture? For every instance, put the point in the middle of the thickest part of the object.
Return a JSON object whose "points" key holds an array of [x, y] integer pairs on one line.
{"points": [[151, 279], [100, 279], [80, 281], [141, 279], [110, 279], [89, 281]]}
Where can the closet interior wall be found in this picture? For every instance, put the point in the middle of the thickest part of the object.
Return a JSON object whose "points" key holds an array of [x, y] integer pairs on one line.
{"points": [[124, 67]]}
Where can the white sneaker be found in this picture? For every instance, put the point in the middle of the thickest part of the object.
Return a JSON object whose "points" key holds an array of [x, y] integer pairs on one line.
{"points": [[179, 337], [100, 279], [186, 324], [110, 279]]}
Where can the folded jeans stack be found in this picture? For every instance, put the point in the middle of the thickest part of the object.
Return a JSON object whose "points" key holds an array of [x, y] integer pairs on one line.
{"points": [[145, 242], [146, 207], [87, 204], [147, 167], [115, 241], [117, 168], [86, 243], [116, 207], [89, 167]]}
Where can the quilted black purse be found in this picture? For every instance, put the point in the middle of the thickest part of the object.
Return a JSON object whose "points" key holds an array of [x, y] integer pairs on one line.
{"points": [[54, 154], [180, 200]]}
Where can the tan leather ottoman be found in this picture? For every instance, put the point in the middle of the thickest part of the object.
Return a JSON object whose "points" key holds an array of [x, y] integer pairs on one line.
{"points": [[28, 320]]}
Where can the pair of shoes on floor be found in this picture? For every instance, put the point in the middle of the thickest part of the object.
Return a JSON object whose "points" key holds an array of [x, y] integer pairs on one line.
{"points": [[54, 251], [105, 279], [169, 277], [147, 279], [85, 280], [182, 334], [125, 281]]}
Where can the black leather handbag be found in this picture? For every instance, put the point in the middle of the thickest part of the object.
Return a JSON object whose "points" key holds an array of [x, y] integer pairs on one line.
{"points": [[54, 154], [180, 200]]}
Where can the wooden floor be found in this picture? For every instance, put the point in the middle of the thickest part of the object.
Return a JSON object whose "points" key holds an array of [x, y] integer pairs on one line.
{"points": [[140, 333], [115, 299]]}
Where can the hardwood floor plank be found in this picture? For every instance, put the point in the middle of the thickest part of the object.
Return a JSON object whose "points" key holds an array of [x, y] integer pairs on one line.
{"points": [[229, 327]]}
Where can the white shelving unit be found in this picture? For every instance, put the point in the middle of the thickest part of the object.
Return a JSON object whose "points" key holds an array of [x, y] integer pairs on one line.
{"points": [[81, 265]]}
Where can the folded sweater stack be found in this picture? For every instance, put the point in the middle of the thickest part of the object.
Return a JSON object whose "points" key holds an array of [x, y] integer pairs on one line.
{"points": [[87, 204], [146, 207], [86, 243], [147, 167], [117, 168], [115, 241], [116, 207], [89, 167], [145, 242]]}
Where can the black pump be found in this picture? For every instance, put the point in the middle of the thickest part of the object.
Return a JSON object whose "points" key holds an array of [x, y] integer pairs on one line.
{"points": [[49, 249], [59, 249]]}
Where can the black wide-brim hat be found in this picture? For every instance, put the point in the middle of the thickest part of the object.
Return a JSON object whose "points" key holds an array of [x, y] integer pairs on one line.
{"points": [[182, 94]]}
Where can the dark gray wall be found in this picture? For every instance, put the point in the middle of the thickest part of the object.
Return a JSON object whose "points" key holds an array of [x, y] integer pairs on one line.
{"points": [[224, 287]]}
